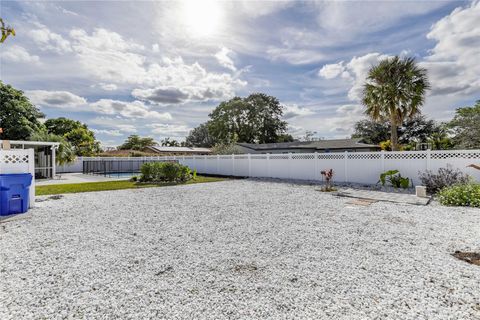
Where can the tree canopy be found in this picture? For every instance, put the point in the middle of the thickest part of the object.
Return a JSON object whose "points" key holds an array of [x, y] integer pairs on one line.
{"points": [[19, 118], [418, 129], [135, 142], [76, 133], [394, 91], [200, 137], [466, 127], [254, 119]]}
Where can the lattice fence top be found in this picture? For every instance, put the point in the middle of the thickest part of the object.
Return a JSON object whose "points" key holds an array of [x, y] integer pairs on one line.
{"points": [[458, 155], [303, 156], [404, 156], [364, 156], [279, 156], [331, 156], [10, 158]]}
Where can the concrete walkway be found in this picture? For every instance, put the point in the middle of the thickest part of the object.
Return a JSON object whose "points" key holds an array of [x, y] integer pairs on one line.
{"points": [[65, 178], [383, 196]]}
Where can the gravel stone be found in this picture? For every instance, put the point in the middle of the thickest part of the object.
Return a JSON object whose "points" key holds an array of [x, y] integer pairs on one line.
{"points": [[238, 249]]}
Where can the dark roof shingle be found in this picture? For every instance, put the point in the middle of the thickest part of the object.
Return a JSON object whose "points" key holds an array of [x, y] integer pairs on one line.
{"points": [[319, 145]]}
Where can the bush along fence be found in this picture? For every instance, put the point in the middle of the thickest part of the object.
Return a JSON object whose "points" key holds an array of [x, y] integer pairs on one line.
{"points": [[355, 167]]}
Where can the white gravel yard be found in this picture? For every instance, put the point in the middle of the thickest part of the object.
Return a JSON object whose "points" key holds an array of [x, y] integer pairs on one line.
{"points": [[238, 249]]}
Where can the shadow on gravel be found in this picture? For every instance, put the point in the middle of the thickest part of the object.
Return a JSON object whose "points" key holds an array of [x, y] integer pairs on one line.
{"points": [[470, 257]]}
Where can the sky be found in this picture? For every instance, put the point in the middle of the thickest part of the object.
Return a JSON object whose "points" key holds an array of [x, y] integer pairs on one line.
{"points": [[158, 68]]}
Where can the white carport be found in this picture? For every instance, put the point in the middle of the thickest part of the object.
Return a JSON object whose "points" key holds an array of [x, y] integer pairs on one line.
{"points": [[44, 152]]}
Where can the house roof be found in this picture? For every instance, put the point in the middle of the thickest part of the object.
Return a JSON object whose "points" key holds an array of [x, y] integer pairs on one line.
{"points": [[32, 143], [318, 145], [179, 149]]}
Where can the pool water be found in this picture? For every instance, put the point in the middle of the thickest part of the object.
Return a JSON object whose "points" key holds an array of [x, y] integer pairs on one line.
{"points": [[119, 175]]}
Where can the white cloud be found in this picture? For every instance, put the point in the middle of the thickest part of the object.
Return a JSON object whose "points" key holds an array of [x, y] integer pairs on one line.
{"points": [[294, 55], [355, 71], [155, 48], [292, 111], [330, 71], [57, 99], [108, 86], [346, 20], [453, 63], [224, 58], [17, 53], [169, 130], [263, 8], [114, 133], [174, 81], [134, 109], [116, 122], [107, 56], [48, 40]]}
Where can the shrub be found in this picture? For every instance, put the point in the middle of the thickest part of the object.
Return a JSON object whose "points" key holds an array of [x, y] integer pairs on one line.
{"points": [[445, 177], [164, 172], [395, 179], [467, 195]]}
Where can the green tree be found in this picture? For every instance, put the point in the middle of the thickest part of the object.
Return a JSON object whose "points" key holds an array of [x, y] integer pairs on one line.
{"points": [[285, 137], [394, 91], [19, 118], [416, 129], [6, 31], [371, 132], [439, 139], [254, 119], [65, 152], [465, 127], [83, 141], [135, 142], [61, 126], [167, 142], [200, 137], [77, 133]]}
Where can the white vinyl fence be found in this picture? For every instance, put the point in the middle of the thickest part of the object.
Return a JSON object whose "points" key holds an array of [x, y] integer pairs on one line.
{"points": [[357, 167], [19, 161]]}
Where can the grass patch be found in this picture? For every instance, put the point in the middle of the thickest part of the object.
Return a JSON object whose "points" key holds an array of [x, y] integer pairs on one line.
{"points": [[111, 185]]}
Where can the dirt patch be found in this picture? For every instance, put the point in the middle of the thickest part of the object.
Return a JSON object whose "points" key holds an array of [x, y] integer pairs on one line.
{"points": [[362, 202], [54, 197], [470, 257]]}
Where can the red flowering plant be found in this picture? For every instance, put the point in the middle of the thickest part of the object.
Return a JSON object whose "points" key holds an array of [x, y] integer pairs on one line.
{"points": [[328, 176]]}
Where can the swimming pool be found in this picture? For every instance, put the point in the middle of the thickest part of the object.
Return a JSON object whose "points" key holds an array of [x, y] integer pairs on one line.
{"points": [[118, 175]]}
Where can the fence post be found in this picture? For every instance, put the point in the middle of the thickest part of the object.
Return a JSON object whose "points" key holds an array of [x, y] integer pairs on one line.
{"points": [[249, 165], [218, 164], [315, 165], [268, 165], [345, 160], [31, 170], [233, 165], [205, 170], [429, 157], [290, 165], [382, 156]]}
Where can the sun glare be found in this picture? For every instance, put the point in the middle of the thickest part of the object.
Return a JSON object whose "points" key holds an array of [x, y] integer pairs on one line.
{"points": [[201, 17]]}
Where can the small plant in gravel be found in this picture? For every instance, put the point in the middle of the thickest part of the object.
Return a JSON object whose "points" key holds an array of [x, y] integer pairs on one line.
{"points": [[465, 195], [328, 176], [395, 179], [444, 177], [164, 172]]}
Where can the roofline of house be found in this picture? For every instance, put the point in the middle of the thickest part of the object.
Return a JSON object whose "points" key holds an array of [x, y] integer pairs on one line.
{"points": [[32, 143]]}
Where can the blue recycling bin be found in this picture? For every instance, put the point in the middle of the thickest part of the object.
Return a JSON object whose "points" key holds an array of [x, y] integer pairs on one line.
{"points": [[14, 190]]}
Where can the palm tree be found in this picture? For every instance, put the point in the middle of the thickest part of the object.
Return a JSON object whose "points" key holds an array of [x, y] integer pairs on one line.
{"points": [[395, 90], [65, 152]]}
